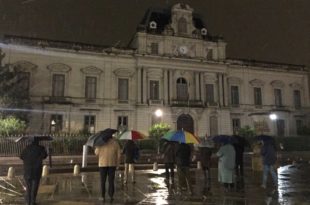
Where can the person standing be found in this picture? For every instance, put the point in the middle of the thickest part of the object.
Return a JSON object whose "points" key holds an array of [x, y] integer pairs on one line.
{"points": [[169, 160], [130, 151], [205, 149], [269, 155], [183, 159], [226, 165], [32, 157], [109, 156]]}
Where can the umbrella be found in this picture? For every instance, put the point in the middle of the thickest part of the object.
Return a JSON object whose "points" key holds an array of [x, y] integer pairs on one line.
{"points": [[131, 135], [100, 138], [264, 138], [181, 136], [34, 137], [226, 139]]}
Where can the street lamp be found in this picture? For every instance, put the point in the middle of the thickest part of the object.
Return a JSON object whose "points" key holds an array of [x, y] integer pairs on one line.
{"points": [[273, 117], [159, 113]]}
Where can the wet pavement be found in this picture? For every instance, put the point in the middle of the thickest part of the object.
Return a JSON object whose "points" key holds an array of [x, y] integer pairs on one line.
{"points": [[150, 188]]}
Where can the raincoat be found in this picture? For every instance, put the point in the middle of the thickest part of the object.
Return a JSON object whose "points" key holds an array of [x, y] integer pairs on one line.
{"points": [[226, 164]]}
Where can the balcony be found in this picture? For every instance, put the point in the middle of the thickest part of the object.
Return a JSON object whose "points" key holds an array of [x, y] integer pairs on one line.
{"points": [[186, 103], [212, 104], [57, 100], [155, 102]]}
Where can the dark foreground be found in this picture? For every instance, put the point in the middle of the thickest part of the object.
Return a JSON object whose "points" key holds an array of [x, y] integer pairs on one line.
{"points": [[66, 189]]}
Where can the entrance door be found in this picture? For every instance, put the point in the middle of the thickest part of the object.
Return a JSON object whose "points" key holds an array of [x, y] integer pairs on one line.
{"points": [[186, 123]]}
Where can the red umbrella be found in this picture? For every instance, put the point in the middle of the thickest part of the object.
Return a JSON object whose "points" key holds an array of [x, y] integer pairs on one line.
{"points": [[131, 135]]}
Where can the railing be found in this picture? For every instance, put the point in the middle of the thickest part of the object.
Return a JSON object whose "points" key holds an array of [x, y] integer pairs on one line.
{"points": [[62, 144], [187, 103]]}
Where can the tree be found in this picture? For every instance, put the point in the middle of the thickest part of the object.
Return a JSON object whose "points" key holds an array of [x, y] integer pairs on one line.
{"points": [[11, 126], [14, 94], [157, 131]]}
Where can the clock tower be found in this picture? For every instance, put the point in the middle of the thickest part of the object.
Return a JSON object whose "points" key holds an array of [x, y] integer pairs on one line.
{"points": [[177, 32]]}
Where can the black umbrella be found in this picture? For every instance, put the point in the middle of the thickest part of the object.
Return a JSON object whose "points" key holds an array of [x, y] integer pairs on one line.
{"points": [[100, 138], [34, 137]]}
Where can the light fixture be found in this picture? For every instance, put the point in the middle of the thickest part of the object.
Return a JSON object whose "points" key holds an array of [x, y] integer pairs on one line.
{"points": [[158, 113], [273, 116], [53, 122]]}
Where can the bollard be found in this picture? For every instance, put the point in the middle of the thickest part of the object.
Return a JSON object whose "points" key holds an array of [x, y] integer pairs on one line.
{"points": [[155, 166], [45, 171], [76, 170], [84, 158], [198, 164], [11, 172]]}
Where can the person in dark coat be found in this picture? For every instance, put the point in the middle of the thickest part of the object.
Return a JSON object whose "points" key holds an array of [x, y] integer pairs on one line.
{"points": [[205, 149], [130, 149], [269, 155], [239, 145], [32, 157], [169, 159], [183, 160]]}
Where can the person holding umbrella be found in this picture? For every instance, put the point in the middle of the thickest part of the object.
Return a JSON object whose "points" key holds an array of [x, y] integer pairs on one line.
{"points": [[109, 153], [32, 157], [168, 150], [269, 155], [130, 152]]}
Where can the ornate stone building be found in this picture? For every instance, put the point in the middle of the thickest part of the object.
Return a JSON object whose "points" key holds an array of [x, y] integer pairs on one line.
{"points": [[172, 63]]}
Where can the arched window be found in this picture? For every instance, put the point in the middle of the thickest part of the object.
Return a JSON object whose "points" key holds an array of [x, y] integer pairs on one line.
{"points": [[182, 90], [182, 26]]}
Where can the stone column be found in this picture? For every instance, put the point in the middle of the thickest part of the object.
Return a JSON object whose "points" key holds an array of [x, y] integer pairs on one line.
{"points": [[220, 88], [171, 89], [139, 85], [144, 86], [165, 87], [225, 90], [197, 86]]}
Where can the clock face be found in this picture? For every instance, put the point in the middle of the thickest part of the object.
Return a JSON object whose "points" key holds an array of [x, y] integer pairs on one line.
{"points": [[183, 49]]}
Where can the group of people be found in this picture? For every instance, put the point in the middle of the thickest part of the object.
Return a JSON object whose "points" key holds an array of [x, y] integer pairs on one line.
{"points": [[230, 163]]}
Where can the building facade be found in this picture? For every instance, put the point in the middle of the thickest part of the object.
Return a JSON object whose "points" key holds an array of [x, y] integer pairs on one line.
{"points": [[172, 63]]}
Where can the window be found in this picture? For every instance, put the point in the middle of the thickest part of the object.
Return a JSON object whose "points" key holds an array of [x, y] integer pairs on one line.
{"points": [[90, 88], [299, 126], [297, 99], [123, 90], [58, 85], [257, 96], [56, 123], [278, 97], [213, 126], [23, 82], [234, 95], [154, 90], [182, 91], [280, 128], [89, 123], [182, 26], [236, 125], [154, 48], [122, 123], [209, 93]]}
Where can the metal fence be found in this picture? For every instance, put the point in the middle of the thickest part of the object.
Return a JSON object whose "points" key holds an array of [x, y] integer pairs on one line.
{"points": [[62, 144]]}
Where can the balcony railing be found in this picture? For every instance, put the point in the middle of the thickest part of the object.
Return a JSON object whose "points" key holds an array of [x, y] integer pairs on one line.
{"points": [[187, 103], [57, 99], [155, 102]]}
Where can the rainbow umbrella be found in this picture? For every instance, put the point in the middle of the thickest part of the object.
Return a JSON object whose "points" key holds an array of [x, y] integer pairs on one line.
{"points": [[181, 136], [131, 135]]}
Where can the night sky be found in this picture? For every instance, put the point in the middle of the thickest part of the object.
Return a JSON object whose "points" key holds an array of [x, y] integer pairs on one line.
{"points": [[266, 30]]}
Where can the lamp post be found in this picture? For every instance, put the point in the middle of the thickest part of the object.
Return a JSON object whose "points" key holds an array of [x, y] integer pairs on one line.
{"points": [[273, 117]]}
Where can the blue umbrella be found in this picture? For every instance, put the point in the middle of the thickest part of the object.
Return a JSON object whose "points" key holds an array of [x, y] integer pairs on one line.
{"points": [[225, 139], [101, 137]]}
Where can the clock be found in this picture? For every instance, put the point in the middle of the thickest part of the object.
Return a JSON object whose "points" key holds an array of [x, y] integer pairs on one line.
{"points": [[183, 49]]}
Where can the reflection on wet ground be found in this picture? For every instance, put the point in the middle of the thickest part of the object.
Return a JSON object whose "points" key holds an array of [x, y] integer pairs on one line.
{"points": [[150, 188]]}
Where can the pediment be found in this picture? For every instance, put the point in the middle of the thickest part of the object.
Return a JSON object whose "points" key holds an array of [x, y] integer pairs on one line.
{"points": [[154, 73], [25, 66], [277, 84], [296, 86], [91, 70], [124, 72], [234, 81], [59, 67], [257, 83]]}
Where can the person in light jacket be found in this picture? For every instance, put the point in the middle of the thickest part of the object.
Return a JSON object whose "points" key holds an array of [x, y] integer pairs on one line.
{"points": [[109, 158], [32, 157], [226, 165]]}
